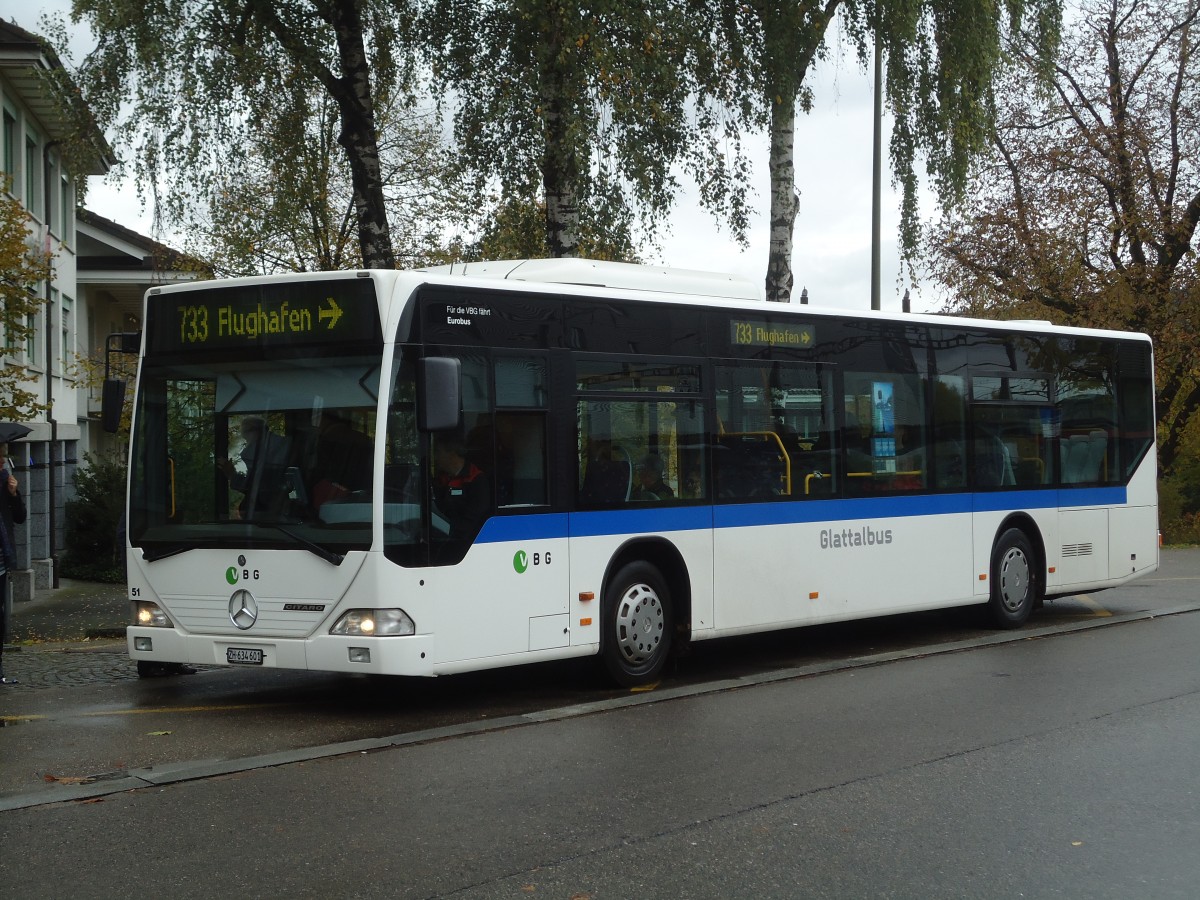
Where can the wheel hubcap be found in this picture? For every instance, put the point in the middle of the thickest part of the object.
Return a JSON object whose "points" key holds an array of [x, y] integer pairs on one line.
{"points": [[639, 624], [1014, 579]]}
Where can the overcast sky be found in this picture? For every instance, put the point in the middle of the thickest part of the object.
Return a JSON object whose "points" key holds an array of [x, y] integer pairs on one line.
{"points": [[832, 242]]}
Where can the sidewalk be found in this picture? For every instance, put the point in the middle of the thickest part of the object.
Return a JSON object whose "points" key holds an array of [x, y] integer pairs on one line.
{"points": [[69, 636]]}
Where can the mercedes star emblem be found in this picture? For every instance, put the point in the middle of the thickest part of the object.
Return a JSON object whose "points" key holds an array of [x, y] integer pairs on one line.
{"points": [[243, 610]]}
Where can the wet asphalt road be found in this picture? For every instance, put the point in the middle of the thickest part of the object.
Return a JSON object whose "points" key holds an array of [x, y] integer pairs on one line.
{"points": [[1059, 764], [81, 715]]}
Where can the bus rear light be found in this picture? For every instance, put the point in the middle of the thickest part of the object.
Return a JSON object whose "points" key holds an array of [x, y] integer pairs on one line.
{"points": [[374, 623], [152, 615]]}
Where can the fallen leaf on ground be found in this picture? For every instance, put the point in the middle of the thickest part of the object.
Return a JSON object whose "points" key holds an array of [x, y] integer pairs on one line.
{"points": [[66, 779]]}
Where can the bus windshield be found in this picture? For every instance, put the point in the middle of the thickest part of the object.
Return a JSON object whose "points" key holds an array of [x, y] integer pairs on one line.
{"points": [[269, 453]]}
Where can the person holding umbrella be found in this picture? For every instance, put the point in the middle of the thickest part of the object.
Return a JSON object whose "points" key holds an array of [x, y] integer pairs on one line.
{"points": [[12, 512]]}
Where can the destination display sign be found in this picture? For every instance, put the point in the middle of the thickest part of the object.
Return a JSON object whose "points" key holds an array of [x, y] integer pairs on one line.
{"points": [[292, 314], [762, 333]]}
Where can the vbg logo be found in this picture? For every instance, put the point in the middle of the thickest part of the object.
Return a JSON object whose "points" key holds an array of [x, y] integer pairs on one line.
{"points": [[233, 574], [522, 560]]}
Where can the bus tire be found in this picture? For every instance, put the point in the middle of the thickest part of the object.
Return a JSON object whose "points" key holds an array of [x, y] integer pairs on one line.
{"points": [[637, 625], [1015, 580]]}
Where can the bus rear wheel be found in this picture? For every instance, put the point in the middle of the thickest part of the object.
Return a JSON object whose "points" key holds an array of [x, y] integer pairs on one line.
{"points": [[1015, 580], [637, 625]]}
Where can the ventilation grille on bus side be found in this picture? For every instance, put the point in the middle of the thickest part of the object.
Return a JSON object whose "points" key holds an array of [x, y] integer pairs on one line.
{"points": [[1077, 550]]}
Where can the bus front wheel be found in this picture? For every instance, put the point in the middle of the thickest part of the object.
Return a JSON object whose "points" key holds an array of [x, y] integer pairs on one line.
{"points": [[1015, 580], [637, 626]]}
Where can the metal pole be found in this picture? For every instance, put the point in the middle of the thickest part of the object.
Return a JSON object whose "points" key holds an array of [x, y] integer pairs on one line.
{"points": [[876, 173], [52, 494]]}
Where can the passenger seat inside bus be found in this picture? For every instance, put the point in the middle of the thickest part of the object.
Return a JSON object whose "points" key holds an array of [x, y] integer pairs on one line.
{"points": [[608, 476], [1082, 457]]}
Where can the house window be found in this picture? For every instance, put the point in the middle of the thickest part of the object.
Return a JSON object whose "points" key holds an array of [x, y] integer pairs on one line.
{"points": [[66, 194], [67, 352], [33, 169], [31, 357], [10, 144]]}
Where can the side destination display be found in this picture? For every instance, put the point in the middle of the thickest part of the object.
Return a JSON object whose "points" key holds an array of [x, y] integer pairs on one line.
{"points": [[268, 315], [762, 333]]}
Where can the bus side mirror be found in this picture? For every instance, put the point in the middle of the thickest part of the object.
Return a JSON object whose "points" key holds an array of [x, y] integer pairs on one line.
{"points": [[111, 403], [112, 400], [439, 393]]}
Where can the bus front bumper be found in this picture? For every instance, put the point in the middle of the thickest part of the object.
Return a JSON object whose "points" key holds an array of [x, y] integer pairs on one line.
{"points": [[393, 655]]}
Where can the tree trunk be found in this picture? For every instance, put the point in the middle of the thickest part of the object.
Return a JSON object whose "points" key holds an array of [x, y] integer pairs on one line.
{"points": [[785, 202], [355, 101], [559, 163]]}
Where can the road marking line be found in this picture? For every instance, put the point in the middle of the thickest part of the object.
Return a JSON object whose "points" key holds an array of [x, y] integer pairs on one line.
{"points": [[101, 713], [1096, 608], [216, 707]]}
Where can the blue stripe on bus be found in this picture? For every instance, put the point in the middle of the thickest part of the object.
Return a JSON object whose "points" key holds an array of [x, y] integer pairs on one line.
{"points": [[542, 526]]}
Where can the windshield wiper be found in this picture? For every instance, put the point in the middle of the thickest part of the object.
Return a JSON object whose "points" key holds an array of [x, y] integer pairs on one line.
{"points": [[328, 555], [164, 552]]}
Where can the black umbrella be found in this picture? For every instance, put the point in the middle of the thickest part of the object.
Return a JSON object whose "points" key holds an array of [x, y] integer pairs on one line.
{"points": [[13, 431]]}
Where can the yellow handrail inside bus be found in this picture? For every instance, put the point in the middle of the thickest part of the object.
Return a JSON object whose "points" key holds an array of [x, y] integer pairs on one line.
{"points": [[171, 466]]}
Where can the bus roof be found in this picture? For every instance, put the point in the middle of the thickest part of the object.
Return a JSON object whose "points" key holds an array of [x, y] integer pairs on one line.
{"points": [[653, 283], [599, 273]]}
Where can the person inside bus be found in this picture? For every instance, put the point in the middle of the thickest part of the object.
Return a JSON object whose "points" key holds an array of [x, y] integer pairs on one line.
{"points": [[606, 479], [265, 457], [343, 459], [462, 492], [650, 484]]}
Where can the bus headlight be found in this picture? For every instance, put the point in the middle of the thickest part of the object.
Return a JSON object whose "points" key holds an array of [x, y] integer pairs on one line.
{"points": [[374, 623], [150, 614]]}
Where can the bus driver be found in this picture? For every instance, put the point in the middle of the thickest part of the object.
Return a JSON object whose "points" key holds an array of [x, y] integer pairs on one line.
{"points": [[461, 490]]}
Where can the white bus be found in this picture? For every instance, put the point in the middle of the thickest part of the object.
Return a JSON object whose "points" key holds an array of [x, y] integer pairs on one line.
{"points": [[419, 473]]}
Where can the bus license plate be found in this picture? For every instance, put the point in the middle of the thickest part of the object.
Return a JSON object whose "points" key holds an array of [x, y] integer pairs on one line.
{"points": [[245, 656]]}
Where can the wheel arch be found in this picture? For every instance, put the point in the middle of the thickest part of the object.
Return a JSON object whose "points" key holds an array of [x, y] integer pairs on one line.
{"points": [[1025, 523], [664, 556]]}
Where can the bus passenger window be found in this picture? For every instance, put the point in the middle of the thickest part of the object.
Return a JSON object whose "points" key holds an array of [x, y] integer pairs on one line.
{"points": [[775, 435], [1012, 431], [639, 452], [949, 445], [886, 446], [1087, 414]]}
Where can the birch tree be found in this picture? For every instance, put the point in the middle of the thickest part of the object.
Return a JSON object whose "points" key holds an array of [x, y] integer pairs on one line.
{"points": [[287, 204], [941, 58], [201, 77], [584, 107]]}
